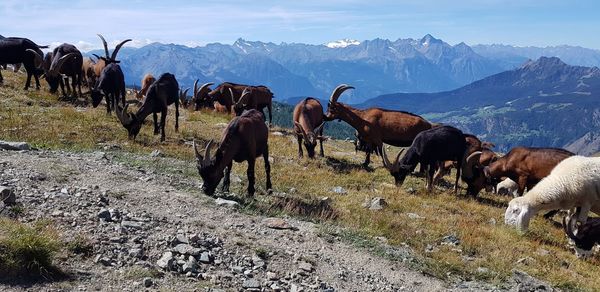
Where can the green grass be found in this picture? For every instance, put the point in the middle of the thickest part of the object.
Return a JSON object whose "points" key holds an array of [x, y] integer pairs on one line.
{"points": [[483, 243], [27, 250]]}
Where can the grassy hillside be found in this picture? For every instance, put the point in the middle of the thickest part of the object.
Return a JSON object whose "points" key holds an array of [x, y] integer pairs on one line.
{"points": [[487, 250]]}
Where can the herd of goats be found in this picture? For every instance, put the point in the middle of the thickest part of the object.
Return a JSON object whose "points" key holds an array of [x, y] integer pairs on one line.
{"points": [[555, 179]]}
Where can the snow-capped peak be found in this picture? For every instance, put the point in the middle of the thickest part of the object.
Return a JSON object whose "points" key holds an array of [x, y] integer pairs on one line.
{"points": [[342, 43]]}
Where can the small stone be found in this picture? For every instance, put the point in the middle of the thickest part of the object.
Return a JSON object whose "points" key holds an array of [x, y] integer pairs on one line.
{"points": [[205, 258], [227, 203], [277, 223], [156, 153], [482, 270], [104, 214], [187, 249], [131, 224], [295, 288], [251, 284], [277, 133], [414, 216], [339, 190], [526, 261], [148, 282], [102, 260], [137, 253], [450, 240], [7, 195], [492, 221], [15, 146], [272, 276], [375, 204], [166, 261], [305, 266]]}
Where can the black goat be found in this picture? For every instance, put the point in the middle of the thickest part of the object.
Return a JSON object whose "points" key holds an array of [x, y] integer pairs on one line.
{"points": [[15, 50], [162, 93], [429, 148], [244, 139], [588, 234], [65, 59], [111, 81]]}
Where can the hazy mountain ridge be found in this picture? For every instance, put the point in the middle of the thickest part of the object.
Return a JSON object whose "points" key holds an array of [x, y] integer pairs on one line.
{"points": [[542, 103]]}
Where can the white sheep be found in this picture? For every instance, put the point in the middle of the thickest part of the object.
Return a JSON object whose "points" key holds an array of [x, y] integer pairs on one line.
{"points": [[508, 187], [574, 182]]}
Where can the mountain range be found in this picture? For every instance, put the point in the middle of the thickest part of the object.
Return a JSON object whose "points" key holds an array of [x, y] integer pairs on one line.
{"points": [[541, 103]]}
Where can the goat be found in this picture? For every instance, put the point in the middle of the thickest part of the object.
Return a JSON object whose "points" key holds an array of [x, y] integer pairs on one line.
{"points": [[574, 182], [479, 154], [525, 165], [588, 234], [162, 93], [308, 125], [244, 139], [66, 60], [87, 72], [428, 148], [255, 97], [111, 81], [146, 82], [507, 187], [200, 98], [376, 126], [16, 50]]}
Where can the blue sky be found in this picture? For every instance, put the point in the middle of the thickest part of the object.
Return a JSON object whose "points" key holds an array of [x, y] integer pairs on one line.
{"points": [[515, 22]]}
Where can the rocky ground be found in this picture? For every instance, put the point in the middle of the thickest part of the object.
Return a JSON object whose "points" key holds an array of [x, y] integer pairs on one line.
{"points": [[133, 228]]}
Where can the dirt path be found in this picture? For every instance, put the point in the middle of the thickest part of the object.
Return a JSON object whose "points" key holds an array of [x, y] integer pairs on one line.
{"points": [[133, 216]]}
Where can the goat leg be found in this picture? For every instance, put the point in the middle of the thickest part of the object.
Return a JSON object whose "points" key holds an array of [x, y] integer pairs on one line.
{"points": [[270, 116], [163, 121], [300, 154], [226, 179], [268, 169], [251, 178], [28, 81], [155, 117], [367, 159], [176, 116]]}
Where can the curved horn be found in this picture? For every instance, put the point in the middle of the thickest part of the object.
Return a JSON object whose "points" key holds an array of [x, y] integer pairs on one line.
{"points": [[105, 46], [209, 146], [58, 65], [205, 85], [398, 157], [198, 156], [244, 93], [195, 89], [39, 59], [183, 94], [568, 227], [302, 132], [122, 115], [231, 95], [338, 91], [386, 161], [467, 169], [117, 48], [319, 128]]}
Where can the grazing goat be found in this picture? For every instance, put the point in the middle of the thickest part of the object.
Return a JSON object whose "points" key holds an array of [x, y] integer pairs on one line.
{"points": [[201, 98], [376, 126], [111, 81], [66, 60], [308, 125], [588, 234], [428, 148], [526, 166], [479, 155], [16, 50], [574, 182], [244, 139], [162, 93], [146, 82], [507, 187]]}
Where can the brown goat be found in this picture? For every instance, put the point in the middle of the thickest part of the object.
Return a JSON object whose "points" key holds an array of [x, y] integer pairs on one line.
{"points": [[200, 98], [255, 97], [87, 72], [308, 125], [146, 82], [526, 166], [376, 126], [244, 139]]}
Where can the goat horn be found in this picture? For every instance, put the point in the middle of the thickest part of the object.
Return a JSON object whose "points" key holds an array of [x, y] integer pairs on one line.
{"points": [[205, 85], [207, 151], [195, 89], [58, 65], [397, 161], [244, 93], [568, 227], [117, 48], [184, 92], [198, 156], [467, 168], [338, 91], [386, 161], [105, 45], [302, 132], [231, 95]]}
